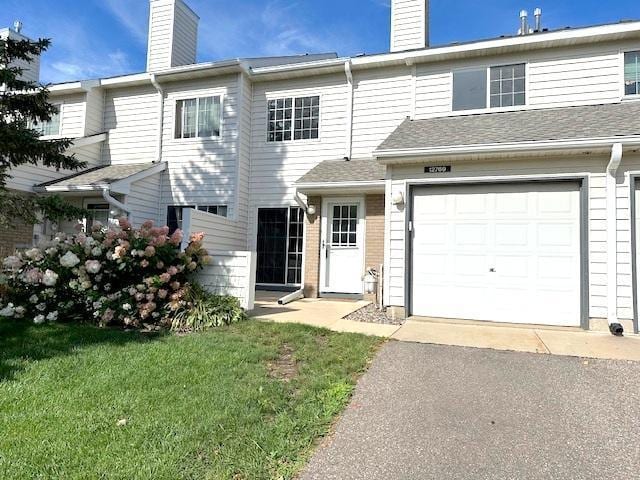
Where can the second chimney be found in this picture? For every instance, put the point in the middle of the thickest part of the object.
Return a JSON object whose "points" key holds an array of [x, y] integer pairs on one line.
{"points": [[173, 35], [409, 24]]}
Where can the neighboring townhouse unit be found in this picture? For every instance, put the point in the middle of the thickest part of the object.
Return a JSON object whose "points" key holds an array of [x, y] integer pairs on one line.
{"points": [[492, 180]]}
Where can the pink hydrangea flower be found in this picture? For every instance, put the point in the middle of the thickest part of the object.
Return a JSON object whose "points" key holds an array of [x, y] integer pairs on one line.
{"points": [[144, 263], [165, 277], [176, 237], [162, 293], [172, 270], [148, 225], [197, 237], [150, 251], [124, 223]]}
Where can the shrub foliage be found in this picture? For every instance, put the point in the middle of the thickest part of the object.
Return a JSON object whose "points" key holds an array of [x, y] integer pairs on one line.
{"points": [[118, 275]]}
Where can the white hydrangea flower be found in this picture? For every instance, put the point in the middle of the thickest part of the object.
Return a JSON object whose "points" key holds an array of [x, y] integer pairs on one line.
{"points": [[13, 262], [92, 266], [41, 307], [53, 316], [34, 254], [33, 298], [126, 307], [8, 311], [50, 278], [39, 319], [96, 251], [69, 260]]}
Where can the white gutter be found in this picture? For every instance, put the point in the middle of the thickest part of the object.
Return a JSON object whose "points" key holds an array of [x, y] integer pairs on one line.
{"points": [[612, 240], [158, 87], [113, 202], [303, 205], [325, 185], [605, 142], [349, 127]]}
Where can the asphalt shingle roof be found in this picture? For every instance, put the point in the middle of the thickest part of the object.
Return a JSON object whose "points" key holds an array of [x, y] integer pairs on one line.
{"points": [[344, 171], [104, 175], [568, 123]]}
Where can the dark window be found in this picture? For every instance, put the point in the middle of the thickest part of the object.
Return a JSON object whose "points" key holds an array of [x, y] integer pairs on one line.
{"points": [[279, 246], [220, 210], [174, 217], [470, 89], [98, 212]]}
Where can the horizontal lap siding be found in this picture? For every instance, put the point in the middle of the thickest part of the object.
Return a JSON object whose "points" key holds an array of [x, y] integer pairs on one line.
{"points": [[184, 36], [228, 274], [555, 77], [408, 24], [595, 167], [275, 166], [201, 171], [381, 101], [160, 35], [131, 118], [219, 233], [143, 200]]}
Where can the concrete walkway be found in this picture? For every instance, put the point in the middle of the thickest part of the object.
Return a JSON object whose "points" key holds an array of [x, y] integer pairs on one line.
{"points": [[317, 312], [330, 313], [554, 341]]}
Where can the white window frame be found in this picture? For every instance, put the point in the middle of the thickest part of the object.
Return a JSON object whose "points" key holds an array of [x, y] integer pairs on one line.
{"points": [[293, 97], [488, 107], [623, 90], [183, 98], [60, 106]]}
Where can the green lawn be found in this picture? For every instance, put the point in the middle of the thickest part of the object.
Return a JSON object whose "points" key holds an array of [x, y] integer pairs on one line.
{"points": [[246, 401]]}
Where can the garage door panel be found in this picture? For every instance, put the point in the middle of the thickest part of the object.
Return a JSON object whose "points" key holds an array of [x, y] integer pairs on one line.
{"points": [[507, 253]]}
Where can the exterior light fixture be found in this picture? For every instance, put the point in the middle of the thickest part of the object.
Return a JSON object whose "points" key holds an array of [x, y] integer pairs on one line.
{"points": [[398, 198], [311, 210]]}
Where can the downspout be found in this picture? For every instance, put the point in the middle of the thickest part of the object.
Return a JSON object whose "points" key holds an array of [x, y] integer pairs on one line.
{"points": [[349, 119], [612, 238], [113, 202], [158, 87], [298, 294]]}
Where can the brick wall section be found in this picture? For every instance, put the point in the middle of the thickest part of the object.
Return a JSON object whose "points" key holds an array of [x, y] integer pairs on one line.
{"points": [[374, 238], [312, 250], [12, 238]]}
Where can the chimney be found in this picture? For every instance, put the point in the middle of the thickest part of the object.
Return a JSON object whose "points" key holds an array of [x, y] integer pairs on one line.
{"points": [[409, 24], [30, 70], [173, 35]]}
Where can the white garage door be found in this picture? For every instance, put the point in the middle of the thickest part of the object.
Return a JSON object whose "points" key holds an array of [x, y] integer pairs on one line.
{"points": [[503, 253]]}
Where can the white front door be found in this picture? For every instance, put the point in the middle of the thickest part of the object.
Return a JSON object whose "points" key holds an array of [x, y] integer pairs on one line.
{"points": [[342, 246], [505, 253]]}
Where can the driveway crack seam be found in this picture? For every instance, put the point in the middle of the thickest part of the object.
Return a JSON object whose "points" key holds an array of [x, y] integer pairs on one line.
{"points": [[548, 351]]}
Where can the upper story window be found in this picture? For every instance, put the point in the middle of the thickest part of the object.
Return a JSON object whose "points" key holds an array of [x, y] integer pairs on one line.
{"points": [[632, 73], [293, 118], [49, 127], [175, 213], [506, 87], [198, 117]]}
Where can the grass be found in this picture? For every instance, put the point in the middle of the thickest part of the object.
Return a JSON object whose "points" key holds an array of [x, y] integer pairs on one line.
{"points": [[241, 402]]}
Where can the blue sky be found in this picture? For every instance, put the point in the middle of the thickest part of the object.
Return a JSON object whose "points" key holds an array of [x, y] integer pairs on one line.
{"points": [[98, 38]]}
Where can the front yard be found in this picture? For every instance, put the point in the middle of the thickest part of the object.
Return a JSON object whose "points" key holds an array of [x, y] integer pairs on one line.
{"points": [[243, 402]]}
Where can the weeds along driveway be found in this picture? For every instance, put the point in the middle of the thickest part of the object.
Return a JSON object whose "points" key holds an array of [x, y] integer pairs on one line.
{"points": [[426, 411]]}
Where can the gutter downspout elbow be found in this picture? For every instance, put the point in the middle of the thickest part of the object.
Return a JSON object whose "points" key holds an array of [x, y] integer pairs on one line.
{"points": [[158, 87], [303, 205], [113, 202], [615, 327]]}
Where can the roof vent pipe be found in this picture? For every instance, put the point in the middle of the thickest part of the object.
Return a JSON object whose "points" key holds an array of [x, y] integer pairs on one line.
{"points": [[537, 13], [524, 23], [17, 26]]}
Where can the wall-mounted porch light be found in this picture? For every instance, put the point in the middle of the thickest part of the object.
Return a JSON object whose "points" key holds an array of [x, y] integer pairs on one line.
{"points": [[398, 198], [311, 210]]}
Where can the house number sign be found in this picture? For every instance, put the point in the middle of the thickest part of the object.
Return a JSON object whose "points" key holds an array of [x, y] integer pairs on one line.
{"points": [[438, 169]]}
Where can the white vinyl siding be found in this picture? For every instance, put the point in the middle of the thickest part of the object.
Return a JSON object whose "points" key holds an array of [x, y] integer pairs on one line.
{"points": [[143, 200], [275, 166], [594, 167], [201, 171], [173, 31], [408, 24], [131, 119]]}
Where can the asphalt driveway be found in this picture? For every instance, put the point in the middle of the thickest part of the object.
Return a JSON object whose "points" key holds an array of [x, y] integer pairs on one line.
{"points": [[427, 411]]}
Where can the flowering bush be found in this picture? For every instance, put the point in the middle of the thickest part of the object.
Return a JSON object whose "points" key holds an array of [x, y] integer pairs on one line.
{"points": [[119, 275]]}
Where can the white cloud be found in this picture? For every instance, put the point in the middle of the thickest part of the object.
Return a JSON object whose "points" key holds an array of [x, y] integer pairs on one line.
{"points": [[81, 66]]}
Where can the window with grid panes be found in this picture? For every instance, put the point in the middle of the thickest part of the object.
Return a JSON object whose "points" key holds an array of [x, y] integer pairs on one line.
{"points": [[198, 117], [632, 73], [295, 239], [344, 226], [293, 118], [507, 87]]}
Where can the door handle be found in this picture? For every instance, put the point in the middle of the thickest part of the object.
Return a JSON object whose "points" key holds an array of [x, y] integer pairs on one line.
{"points": [[492, 270]]}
